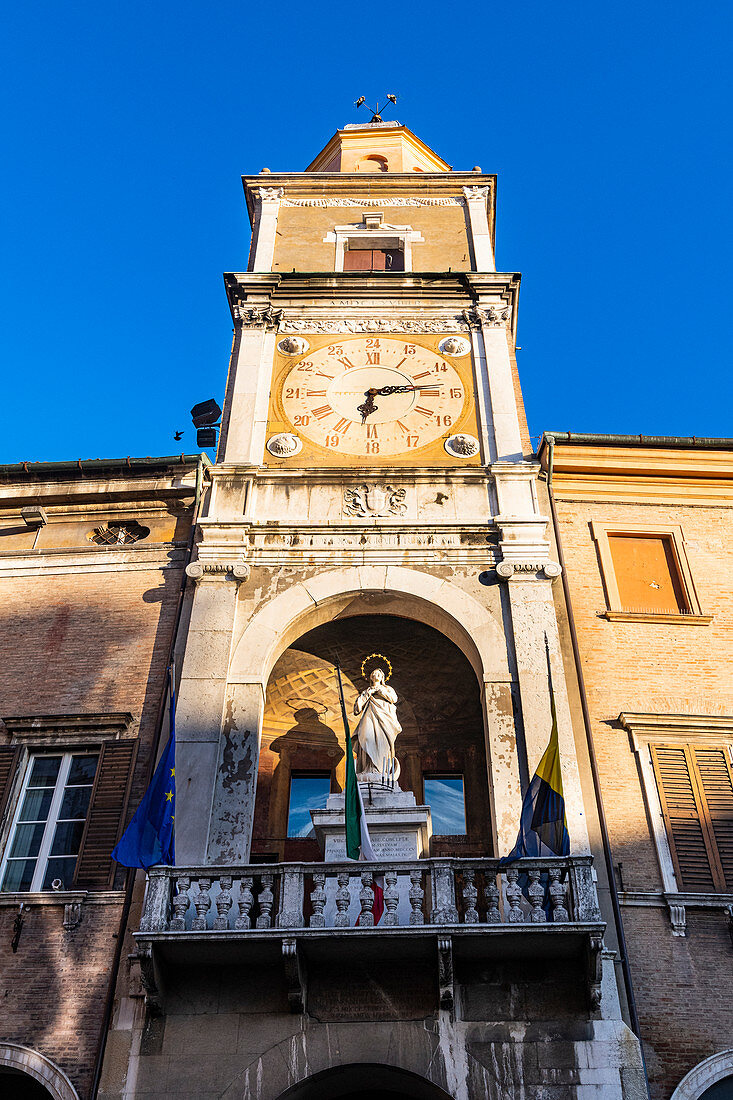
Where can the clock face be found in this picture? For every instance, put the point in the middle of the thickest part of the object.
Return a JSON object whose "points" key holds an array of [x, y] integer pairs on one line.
{"points": [[326, 397]]}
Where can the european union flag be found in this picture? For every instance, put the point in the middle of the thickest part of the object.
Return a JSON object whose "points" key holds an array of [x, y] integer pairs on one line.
{"points": [[150, 837], [543, 827]]}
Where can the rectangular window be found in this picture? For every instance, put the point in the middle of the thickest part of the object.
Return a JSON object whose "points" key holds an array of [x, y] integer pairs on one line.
{"points": [[444, 796], [308, 791], [647, 574], [695, 787], [374, 259], [46, 833]]}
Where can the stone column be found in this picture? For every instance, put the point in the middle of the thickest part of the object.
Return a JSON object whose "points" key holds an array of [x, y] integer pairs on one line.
{"points": [[483, 252], [201, 697], [505, 789], [265, 226]]}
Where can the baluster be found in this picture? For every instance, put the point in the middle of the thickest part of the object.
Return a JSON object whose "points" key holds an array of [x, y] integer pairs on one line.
{"points": [[366, 897], [491, 894], [224, 903], [514, 896], [318, 900], [245, 903], [202, 901], [181, 902], [536, 893], [391, 899], [556, 890], [416, 898], [343, 900], [470, 893], [265, 901]]}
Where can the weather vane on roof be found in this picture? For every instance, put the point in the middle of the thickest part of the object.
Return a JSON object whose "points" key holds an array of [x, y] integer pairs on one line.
{"points": [[376, 116]]}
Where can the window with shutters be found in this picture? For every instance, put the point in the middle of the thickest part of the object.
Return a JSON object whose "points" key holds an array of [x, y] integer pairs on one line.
{"points": [[695, 786], [65, 814], [646, 574], [374, 259]]}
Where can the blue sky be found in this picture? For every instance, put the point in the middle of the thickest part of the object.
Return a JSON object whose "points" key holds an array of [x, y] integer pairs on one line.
{"points": [[125, 130]]}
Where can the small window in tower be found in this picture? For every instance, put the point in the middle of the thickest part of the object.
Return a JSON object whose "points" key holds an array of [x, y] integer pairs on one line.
{"points": [[373, 163], [308, 791], [374, 259], [444, 796]]}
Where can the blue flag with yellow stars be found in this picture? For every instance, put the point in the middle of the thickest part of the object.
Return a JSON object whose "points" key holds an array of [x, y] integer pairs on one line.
{"points": [[149, 839]]}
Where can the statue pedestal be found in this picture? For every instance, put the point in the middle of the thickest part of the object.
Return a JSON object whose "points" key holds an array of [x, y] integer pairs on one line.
{"points": [[398, 827]]}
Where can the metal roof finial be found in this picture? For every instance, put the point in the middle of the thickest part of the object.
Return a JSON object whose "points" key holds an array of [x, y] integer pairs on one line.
{"points": [[376, 116]]}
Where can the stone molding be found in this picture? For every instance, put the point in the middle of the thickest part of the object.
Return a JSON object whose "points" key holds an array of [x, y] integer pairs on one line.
{"points": [[40, 1068], [218, 570], [275, 320], [327, 203], [55, 728]]}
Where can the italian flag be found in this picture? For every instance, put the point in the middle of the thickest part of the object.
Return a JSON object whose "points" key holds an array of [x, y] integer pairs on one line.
{"points": [[358, 842]]}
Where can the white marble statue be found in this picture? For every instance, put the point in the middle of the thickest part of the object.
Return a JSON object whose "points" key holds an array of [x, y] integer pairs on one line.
{"points": [[376, 730]]}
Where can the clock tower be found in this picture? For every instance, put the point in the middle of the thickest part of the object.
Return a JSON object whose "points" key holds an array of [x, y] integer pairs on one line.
{"points": [[376, 498]]}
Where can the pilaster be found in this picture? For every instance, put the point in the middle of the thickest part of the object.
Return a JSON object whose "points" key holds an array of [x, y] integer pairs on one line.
{"points": [[476, 199], [264, 230], [201, 698]]}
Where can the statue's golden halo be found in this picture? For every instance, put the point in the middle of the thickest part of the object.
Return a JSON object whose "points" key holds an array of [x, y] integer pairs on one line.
{"points": [[378, 657]]}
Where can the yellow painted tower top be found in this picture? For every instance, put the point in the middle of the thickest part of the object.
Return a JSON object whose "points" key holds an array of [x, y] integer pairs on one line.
{"points": [[377, 147]]}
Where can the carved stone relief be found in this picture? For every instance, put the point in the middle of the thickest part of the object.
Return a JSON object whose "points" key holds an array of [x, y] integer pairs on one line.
{"points": [[373, 500], [268, 194], [293, 345], [462, 446], [454, 346], [284, 445], [258, 316]]}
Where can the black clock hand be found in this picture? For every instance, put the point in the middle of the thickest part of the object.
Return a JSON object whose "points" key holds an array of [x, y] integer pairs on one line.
{"points": [[387, 390], [368, 406]]}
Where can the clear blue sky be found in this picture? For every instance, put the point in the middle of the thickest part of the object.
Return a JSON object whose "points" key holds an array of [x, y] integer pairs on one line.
{"points": [[126, 128]]}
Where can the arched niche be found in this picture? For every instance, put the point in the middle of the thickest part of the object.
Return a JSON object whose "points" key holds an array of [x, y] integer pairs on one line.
{"points": [[709, 1080], [362, 1081], [27, 1074], [441, 750]]}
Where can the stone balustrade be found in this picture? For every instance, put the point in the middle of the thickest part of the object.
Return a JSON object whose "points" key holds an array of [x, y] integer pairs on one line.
{"points": [[335, 898]]}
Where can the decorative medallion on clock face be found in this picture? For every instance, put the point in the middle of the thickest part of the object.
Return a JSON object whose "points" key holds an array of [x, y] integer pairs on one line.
{"points": [[283, 445], [373, 396], [454, 346], [293, 345], [462, 446]]}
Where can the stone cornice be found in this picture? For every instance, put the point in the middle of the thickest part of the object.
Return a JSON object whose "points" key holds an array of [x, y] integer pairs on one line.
{"points": [[55, 727], [704, 727]]}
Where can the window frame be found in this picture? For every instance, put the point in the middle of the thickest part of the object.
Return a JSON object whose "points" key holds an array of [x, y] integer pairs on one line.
{"points": [[601, 531], [442, 774], [52, 818], [373, 232], [304, 773], [699, 730]]}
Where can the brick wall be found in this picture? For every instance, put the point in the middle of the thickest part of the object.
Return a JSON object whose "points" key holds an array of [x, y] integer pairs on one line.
{"points": [[657, 668]]}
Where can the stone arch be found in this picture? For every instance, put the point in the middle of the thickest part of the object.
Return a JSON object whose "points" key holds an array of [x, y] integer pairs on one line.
{"points": [[340, 1082], [705, 1074], [440, 1058], [350, 591], [41, 1069]]}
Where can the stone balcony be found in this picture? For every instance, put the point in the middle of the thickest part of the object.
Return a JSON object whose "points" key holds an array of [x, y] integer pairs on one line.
{"points": [[287, 913]]}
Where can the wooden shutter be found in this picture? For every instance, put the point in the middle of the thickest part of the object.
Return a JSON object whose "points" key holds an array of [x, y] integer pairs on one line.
{"points": [[9, 756], [647, 574], [358, 259], [696, 794], [94, 869]]}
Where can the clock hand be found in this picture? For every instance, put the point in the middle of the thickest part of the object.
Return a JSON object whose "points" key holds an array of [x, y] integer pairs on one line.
{"points": [[387, 390], [368, 406]]}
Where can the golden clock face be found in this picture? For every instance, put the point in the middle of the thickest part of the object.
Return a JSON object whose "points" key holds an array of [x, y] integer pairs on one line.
{"points": [[373, 396]]}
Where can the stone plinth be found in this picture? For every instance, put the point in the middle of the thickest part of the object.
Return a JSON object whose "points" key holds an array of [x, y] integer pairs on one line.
{"points": [[398, 827]]}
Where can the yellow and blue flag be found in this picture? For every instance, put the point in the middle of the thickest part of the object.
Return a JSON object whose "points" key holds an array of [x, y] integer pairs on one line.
{"points": [[543, 827], [149, 839]]}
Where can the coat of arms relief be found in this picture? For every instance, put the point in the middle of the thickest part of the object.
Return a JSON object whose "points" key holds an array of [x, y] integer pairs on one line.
{"points": [[371, 500]]}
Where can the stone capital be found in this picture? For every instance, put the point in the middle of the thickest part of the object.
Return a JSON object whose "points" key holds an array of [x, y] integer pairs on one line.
{"points": [[528, 570], [268, 194], [200, 571]]}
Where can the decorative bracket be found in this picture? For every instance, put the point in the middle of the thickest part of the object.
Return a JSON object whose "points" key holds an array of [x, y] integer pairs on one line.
{"points": [[72, 915], [294, 975], [446, 987], [594, 969], [678, 918], [150, 978]]}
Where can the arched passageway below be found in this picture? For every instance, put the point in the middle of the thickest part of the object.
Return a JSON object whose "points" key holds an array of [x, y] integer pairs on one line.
{"points": [[363, 1081]]}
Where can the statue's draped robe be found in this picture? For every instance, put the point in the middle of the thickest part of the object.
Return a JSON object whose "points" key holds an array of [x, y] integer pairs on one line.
{"points": [[376, 731]]}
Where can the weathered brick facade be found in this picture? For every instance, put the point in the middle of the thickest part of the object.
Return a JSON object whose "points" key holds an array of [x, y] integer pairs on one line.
{"points": [[673, 672], [85, 640]]}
